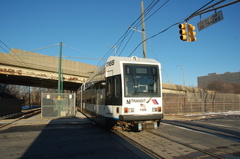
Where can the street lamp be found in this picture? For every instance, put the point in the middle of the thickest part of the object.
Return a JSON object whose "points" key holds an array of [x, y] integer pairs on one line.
{"points": [[182, 73]]}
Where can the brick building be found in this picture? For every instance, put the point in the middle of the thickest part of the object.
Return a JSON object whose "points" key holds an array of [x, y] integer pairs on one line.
{"points": [[228, 77]]}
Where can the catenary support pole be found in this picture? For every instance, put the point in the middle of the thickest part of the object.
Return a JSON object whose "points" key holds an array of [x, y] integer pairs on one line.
{"points": [[60, 69]]}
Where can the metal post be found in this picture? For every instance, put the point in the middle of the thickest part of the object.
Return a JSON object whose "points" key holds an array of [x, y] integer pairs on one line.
{"points": [[61, 81], [143, 31], [60, 69], [29, 96]]}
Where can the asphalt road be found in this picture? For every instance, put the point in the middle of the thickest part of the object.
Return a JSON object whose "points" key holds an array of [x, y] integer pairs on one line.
{"points": [[220, 135], [80, 138]]}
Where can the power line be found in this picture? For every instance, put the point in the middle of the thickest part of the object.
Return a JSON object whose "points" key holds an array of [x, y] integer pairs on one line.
{"points": [[83, 57], [155, 11], [202, 11], [154, 36], [44, 47], [197, 12], [146, 12], [4, 49], [5, 46], [130, 32], [37, 49], [14, 53], [126, 43], [139, 20], [149, 8]]}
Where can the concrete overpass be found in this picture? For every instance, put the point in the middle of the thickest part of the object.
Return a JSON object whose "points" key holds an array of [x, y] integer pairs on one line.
{"points": [[32, 69]]}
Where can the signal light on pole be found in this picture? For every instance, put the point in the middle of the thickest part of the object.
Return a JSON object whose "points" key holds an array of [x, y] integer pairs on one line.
{"points": [[191, 33], [183, 31]]}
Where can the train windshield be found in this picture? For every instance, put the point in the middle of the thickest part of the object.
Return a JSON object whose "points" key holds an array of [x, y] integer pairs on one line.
{"points": [[141, 80]]}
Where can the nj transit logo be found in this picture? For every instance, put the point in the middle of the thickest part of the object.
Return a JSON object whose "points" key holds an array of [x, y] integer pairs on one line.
{"points": [[155, 102]]}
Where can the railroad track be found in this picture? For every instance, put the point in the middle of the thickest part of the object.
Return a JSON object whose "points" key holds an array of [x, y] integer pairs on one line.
{"points": [[23, 116], [133, 141], [158, 145]]}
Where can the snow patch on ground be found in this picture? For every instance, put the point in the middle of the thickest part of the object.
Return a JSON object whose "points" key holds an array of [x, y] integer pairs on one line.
{"points": [[213, 114]]}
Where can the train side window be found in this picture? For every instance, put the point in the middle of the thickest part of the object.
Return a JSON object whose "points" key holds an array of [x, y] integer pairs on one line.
{"points": [[110, 87], [117, 86]]}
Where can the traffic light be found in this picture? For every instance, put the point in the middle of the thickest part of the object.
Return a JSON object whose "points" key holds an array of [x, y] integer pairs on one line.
{"points": [[191, 33], [183, 31], [187, 32]]}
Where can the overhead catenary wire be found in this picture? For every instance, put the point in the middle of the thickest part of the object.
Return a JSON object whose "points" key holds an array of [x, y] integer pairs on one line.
{"points": [[128, 32], [154, 36], [44, 47], [23, 53]]}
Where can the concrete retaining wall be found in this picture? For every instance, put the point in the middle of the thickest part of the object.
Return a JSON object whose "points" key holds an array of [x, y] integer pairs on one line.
{"points": [[10, 106]]}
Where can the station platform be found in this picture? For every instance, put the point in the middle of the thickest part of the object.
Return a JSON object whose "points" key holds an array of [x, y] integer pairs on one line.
{"points": [[62, 138]]}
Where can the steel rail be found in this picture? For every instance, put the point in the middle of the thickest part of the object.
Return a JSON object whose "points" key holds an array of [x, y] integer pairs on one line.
{"points": [[24, 116]]}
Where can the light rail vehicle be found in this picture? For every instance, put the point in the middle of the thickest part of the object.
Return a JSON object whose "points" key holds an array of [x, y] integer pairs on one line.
{"points": [[125, 92]]}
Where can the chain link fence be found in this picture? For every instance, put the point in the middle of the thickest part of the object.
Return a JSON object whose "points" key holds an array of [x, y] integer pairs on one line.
{"points": [[200, 102], [58, 104]]}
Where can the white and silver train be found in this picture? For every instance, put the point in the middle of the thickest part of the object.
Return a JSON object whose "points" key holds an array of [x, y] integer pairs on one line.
{"points": [[125, 92]]}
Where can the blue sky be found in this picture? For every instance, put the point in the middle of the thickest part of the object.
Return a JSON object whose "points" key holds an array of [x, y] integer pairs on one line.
{"points": [[87, 27]]}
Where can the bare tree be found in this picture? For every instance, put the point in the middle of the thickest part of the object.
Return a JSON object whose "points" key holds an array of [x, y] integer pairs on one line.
{"points": [[223, 87], [30, 95]]}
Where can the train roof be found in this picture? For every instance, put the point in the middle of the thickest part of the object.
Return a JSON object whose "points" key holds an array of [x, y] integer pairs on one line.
{"points": [[98, 74], [131, 59]]}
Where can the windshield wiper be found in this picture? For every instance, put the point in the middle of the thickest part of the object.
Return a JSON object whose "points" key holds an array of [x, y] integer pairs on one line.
{"points": [[150, 98]]}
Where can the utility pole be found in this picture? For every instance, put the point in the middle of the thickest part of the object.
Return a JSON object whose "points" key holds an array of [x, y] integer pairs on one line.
{"points": [[143, 32], [60, 81]]}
